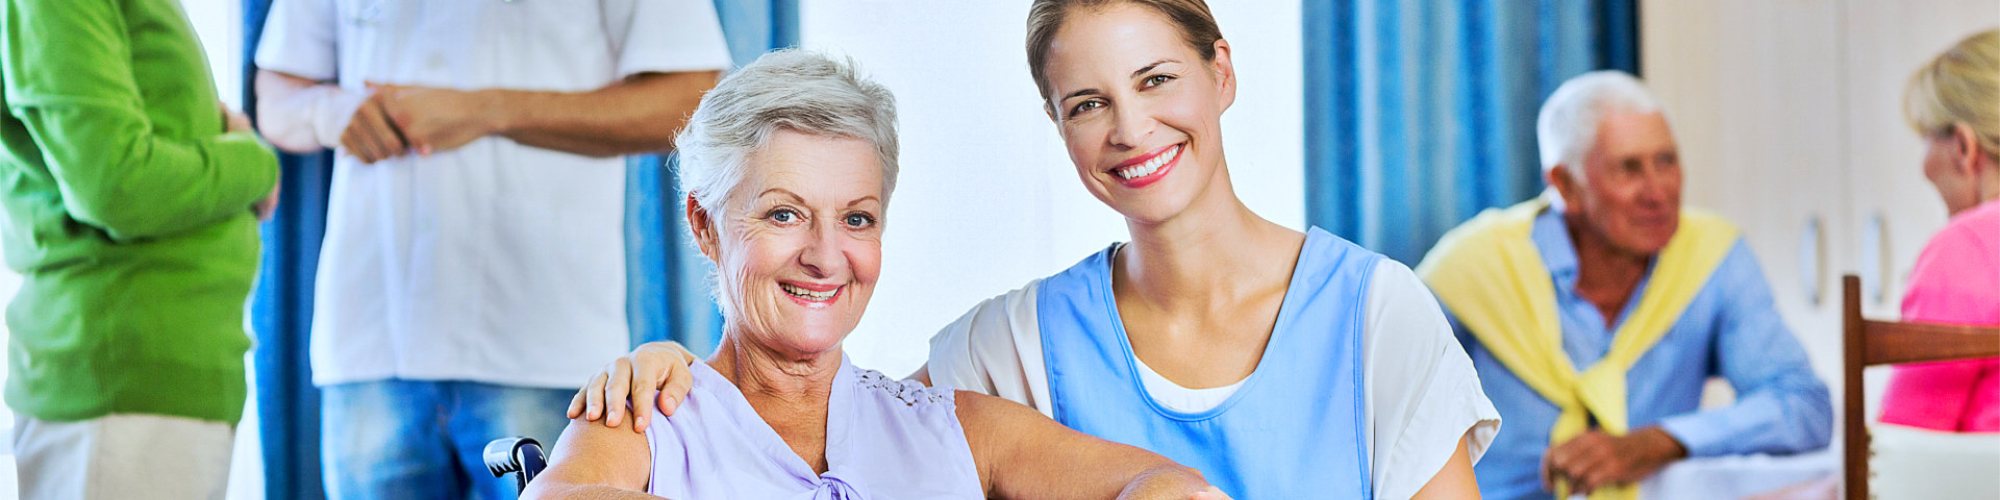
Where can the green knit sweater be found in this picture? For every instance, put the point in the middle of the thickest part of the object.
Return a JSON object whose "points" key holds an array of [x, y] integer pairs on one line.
{"points": [[126, 212]]}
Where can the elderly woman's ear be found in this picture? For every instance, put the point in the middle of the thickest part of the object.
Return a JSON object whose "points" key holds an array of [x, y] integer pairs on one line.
{"points": [[703, 228]]}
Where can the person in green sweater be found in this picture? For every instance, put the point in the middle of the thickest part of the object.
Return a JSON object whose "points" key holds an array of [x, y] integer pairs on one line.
{"points": [[131, 200]]}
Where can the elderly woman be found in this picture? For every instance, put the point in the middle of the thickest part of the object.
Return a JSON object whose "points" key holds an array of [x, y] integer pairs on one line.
{"points": [[1954, 103], [788, 167]]}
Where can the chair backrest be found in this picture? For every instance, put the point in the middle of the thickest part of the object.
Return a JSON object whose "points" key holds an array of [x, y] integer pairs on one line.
{"points": [[1869, 343]]}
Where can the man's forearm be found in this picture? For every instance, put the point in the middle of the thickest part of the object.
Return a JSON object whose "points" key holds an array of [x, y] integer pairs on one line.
{"points": [[638, 115]]}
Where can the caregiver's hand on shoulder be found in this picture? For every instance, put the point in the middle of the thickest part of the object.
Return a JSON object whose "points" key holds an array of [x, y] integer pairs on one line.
{"points": [[656, 373]]}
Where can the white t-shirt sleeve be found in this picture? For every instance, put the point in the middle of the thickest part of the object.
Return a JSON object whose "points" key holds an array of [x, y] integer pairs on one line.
{"points": [[665, 36], [300, 39], [1422, 391], [995, 349]]}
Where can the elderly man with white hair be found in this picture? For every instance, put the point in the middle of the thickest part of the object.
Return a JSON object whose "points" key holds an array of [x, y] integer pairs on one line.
{"points": [[1596, 312]]}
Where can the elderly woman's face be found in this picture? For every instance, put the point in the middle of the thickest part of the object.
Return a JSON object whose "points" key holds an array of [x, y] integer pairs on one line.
{"points": [[1138, 108], [800, 246]]}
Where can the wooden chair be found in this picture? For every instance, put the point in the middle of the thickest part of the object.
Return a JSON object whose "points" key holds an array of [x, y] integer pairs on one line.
{"points": [[1870, 343]]}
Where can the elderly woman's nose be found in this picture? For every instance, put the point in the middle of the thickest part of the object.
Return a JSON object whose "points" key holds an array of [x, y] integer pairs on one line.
{"points": [[822, 256]]}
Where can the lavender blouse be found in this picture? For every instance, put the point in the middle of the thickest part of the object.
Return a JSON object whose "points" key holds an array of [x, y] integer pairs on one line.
{"points": [[885, 440]]}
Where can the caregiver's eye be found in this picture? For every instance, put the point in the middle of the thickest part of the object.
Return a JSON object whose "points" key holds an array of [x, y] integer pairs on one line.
{"points": [[1085, 107]]}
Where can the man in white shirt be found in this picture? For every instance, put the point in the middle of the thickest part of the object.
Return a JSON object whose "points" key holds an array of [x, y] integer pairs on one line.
{"points": [[473, 267]]}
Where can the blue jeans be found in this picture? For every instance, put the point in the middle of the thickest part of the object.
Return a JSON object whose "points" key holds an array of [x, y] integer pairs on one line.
{"points": [[422, 439]]}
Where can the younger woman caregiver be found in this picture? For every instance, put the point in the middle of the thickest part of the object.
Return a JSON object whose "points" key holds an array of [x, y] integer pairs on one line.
{"points": [[1280, 364]]}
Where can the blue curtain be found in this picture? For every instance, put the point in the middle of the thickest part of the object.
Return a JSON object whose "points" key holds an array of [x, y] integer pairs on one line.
{"points": [[667, 291], [1421, 113]]}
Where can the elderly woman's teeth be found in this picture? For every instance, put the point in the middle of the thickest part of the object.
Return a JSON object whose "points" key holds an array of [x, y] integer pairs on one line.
{"points": [[807, 294]]}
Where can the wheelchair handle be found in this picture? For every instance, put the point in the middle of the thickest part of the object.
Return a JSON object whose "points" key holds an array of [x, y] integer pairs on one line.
{"points": [[522, 455]]}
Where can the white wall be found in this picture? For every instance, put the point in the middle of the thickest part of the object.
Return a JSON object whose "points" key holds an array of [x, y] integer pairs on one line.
{"points": [[988, 199]]}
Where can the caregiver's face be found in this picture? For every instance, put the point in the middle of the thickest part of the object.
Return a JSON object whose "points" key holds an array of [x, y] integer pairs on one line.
{"points": [[1138, 108], [800, 247]]}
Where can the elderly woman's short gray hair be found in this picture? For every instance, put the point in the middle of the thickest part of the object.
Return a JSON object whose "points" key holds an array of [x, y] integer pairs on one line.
{"points": [[1567, 127], [789, 89]]}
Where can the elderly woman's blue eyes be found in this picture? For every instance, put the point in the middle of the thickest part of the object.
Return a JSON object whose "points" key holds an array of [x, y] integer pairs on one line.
{"points": [[790, 216], [860, 220]]}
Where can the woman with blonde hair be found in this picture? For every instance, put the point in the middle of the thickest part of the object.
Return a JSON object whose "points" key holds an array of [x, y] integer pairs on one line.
{"points": [[1279, 363], [1953, 102]]}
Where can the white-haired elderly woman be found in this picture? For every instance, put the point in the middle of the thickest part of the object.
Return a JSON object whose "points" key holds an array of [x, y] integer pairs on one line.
{"points": [[788, 166]]}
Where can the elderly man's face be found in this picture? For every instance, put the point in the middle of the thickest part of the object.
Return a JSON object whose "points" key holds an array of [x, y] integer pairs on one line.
{"points": [[1630, 188], [800, 246]]}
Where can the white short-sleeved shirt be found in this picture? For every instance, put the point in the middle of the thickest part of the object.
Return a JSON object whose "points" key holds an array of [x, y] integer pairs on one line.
{"points": [[496, 262], [1421, 392]]}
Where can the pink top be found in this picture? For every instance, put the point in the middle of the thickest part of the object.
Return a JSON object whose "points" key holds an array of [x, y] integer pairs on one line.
{"points": [[1957, 280]]}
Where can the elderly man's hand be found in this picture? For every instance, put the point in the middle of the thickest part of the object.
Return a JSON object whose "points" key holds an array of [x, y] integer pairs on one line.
{"points": [[1596, 460], [436, 120], [369, 135]]}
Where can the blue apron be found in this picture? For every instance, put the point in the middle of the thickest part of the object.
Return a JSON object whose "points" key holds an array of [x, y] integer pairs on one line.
{"points": [[1294, 429]]}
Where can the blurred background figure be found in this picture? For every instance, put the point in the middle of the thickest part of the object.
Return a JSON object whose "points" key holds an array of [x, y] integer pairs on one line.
{"points": [[1596, 314], [473, 270], [132, 197], [1953, 102]]}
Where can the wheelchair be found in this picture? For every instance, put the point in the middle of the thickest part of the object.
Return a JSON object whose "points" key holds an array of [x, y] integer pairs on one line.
{"points": [[519, 455]]}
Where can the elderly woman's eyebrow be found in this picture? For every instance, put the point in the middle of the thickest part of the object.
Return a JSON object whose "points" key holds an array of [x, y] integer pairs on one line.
{"points": [[782, 191], [858, 201]]}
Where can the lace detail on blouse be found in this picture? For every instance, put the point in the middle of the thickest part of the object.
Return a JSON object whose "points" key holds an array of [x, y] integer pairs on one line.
{"points": [[909, 392]]}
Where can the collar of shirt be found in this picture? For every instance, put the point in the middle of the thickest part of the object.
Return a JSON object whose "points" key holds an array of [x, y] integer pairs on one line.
{"points": [[1586, 332]]}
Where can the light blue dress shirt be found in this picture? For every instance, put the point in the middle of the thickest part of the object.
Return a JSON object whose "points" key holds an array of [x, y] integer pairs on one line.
{"points": [[1731, 329]]}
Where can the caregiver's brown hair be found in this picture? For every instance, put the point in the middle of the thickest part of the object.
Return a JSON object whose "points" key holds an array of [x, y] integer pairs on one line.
{"points": [[1046, 18]]}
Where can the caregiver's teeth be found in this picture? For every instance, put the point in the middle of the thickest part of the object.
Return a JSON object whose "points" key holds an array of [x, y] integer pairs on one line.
{"points": [[807, 294], [1150, 166]]}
